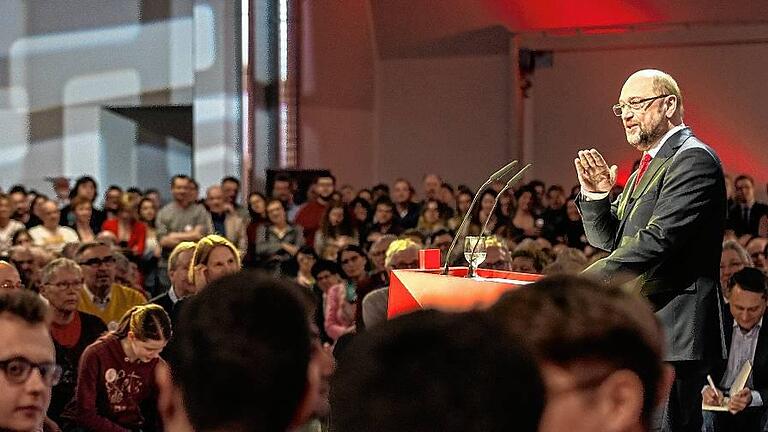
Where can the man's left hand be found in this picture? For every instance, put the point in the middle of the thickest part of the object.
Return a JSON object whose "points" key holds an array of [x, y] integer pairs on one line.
{"points": [[740, 400]]}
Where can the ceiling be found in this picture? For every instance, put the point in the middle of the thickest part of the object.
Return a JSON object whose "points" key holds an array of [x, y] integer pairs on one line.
{"points": [[414, 28]]}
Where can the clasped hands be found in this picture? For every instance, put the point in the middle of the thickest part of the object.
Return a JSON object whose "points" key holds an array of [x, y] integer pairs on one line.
{"points": [[736, 403], [594, 173]]}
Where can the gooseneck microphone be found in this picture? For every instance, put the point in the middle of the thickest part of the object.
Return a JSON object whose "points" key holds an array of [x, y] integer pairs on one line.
{"points": [[501, 172]]}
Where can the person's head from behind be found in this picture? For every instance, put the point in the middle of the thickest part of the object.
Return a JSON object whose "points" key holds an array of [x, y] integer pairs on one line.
{"points": [[395, 377], [144, 331], [214, 257], [600, 349], [748, 290], [250, 334], [28, 367]]}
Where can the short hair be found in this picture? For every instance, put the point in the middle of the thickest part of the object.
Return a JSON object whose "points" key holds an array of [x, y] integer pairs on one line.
{"points": [[179, 176], [282, 177], [448, 186], [539, 259], [319, 176], [203, 250], [54, 266], [89, 245], [438, 233], [744, 177], [114, 187], [555, 188], [174, 256], [384, 200], [739, 249], [398, 246], [17, 188], [24, 304], [383, 187], [6, 198], [231, 179], [568, 320], [396, 378], [250, 334], [325, 265], [750, 279], [663, 83]]}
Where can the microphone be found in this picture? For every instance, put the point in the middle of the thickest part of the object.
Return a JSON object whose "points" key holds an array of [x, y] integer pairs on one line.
{"points": [[495, 202], [498, 197], [501, 172]]}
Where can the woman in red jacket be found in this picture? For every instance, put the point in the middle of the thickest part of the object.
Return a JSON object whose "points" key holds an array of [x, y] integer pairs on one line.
{"points": [[116, 389], [130, 232]]}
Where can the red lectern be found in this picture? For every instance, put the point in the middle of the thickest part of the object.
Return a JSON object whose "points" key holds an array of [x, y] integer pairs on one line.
{"points": [[421, 289]]}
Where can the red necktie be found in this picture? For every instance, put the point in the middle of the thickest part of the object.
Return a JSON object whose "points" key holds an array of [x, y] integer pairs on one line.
{"points": [[643, 168]]}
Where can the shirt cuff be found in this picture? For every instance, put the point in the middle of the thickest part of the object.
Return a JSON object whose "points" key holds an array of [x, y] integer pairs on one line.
{"points": [[593, 196], [756, 399]]}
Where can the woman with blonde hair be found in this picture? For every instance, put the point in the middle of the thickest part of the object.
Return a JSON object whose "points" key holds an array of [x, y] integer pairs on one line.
{"points": [[214, 257], [116, 388]]}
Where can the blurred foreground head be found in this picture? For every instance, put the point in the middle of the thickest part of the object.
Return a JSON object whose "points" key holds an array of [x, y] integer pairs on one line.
{"points": [[599, 348], [435, 371]]}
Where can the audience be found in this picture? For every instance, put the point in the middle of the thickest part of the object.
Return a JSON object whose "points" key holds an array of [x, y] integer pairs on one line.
{"points": [[50, 235], [278, 241], [311, 214], [178, 273], [8, 226], [226, 219]]}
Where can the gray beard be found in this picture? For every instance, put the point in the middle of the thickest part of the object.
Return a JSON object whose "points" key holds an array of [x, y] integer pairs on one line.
{"points": [[648, 138]]}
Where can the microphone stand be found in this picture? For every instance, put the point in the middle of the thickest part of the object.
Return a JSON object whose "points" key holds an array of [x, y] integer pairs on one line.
{"points": [[514, 178], [494, 177]]}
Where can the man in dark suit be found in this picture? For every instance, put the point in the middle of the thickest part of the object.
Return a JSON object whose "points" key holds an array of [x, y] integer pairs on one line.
{"points": [[664, 232], [745, 213], [746, 341]]}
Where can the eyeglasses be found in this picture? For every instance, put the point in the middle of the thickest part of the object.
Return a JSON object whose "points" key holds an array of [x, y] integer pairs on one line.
{"points": [[97, 261], [634, 105], [18, 369], [67, 284], [11, 285]]}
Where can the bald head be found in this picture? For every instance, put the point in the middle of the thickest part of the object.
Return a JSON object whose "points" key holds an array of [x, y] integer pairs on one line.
{"points": [[9, 276], [651, 104], [214, 199]]}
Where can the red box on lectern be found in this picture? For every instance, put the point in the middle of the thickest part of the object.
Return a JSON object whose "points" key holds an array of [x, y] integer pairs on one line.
{"points": [[428, 289]]}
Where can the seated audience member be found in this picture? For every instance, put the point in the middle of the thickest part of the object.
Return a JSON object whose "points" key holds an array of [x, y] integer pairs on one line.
{"points": [[305, 259], [733, 258], [127, 273], [415, 235], [378, 252], [50, 235], [82, 213], [354, 263], [481, 212], [463, 201], [8, 226], [27, 361], [326, 274], [362, 215], [21, 238], [130, 232], [747, 341], [72, 331], [745, 214], [21, 208], [214, 257], [340, 310], [756, 250], [233, 394], [600, 351], [310, 214], [442, 239], [230, 188], [497, 255], [396, 378], [407, 210], [227, 221], [101, 295], [36, 206], [430, 220], [84, 190], [9, 277], [178, 273], [277, 241], [526, 221], [401, 254], [528, 260], [335, 227], [574, 227], [383, 220], [24, 261], [569, 261], [116, 388]]}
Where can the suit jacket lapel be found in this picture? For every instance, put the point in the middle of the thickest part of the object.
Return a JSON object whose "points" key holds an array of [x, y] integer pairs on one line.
{"points": [[666, 152]]}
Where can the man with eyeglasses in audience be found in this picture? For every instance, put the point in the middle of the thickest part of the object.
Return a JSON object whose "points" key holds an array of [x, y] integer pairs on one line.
{"points": [[27, 362], [401, 254], [100, 295], [61, 283], [497, 255], [756, 250], [9, 277]]}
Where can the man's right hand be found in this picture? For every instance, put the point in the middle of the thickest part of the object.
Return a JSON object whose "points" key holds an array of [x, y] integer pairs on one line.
{"points": [[711, 396], [594, 173]]}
